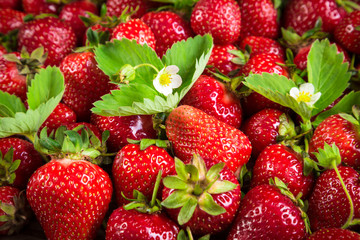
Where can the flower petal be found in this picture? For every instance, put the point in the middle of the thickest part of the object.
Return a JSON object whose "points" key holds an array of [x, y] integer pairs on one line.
{"points": [[172, 69], [307, 87], [294, 92], [315, 98], [175, 81]]}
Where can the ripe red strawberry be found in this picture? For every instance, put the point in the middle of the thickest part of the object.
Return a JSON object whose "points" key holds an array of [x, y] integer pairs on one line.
{"points": [[301, 57], [259, 44], [2, 51], [168, 28], [334, 234], [282, 162], [347, 33], [213, 97], [220, 59], [262, 129], [57, 38], [258, 64], [134, 29], [136, 169], [30, 160], [85, 83], [116, 7], [11, 81], [134, 127], [130, 224], [61, 115], [265, 213], [328, 204], [207, 199], [37, 7], [70, 195], [71, 13], [341, 132], [14, 210], [258, 18], [191, 130], [10, 20], [302, 15], [220, 18], [12, 4]]}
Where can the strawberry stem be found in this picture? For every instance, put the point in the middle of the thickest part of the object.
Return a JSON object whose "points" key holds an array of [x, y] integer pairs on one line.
{"points": [[156, 188], [147, 65], [351, 215]]}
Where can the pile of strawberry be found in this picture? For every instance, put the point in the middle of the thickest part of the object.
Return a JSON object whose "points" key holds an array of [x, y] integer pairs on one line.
{"points": [[180, 119]]}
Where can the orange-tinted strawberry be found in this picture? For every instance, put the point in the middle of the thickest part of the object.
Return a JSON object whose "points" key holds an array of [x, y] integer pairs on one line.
{"points": [[258, 18], [134, 29], [191, 130], [168, 28], [57, 38], [220, 18], [213, 97]]}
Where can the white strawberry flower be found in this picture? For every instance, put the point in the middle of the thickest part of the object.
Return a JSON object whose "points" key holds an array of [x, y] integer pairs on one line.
{"points": [[167, 79], [305, 93]]}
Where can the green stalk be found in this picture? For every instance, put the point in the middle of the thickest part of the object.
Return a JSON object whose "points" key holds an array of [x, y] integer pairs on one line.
{"points": [[156, 188], [351, 215]]}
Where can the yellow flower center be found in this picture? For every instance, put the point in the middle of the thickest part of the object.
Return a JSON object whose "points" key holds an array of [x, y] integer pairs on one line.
{"points": [[304, 97], [165, 79]]}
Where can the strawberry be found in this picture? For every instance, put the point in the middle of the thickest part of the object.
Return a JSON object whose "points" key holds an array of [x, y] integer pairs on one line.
{"points": [[10, 20], [12, 4], [129, 221], [136, 167], [328, 203], [37, 7], [301, 57], [264, 127], [191, 130], [220, 18], [57, 38], [221, 59], [214, 98], [116, 7], [282, 162], [347, 33], [134, 29], [2, 51], [71, 13], [334, 234], [121, 128], [265, 213], [61, 115], [13, 150], [302, 15], [70, 195], [258, 18], [14, 210], [259, 44], [168, 28], [338, 130], [85, 83], [204, 196]]}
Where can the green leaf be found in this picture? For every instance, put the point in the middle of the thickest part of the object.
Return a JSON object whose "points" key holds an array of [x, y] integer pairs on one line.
{"points": [[15, 165], [176, 199], [191, 56], [221, 187], [327, 72], [208, 205], [187, 210], [343, 106], [49, 83], [214, 171], [174, 182], [180, 169], [10, 104], [112, 56]]}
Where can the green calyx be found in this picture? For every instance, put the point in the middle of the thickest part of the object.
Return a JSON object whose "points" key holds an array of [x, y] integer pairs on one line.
{"points": [[194, 186], [94, 38], [146, 142], [72, 145], [303, 206], [141, 204], [187, 235], [16, 215], [349, 6], [8, 167]]}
